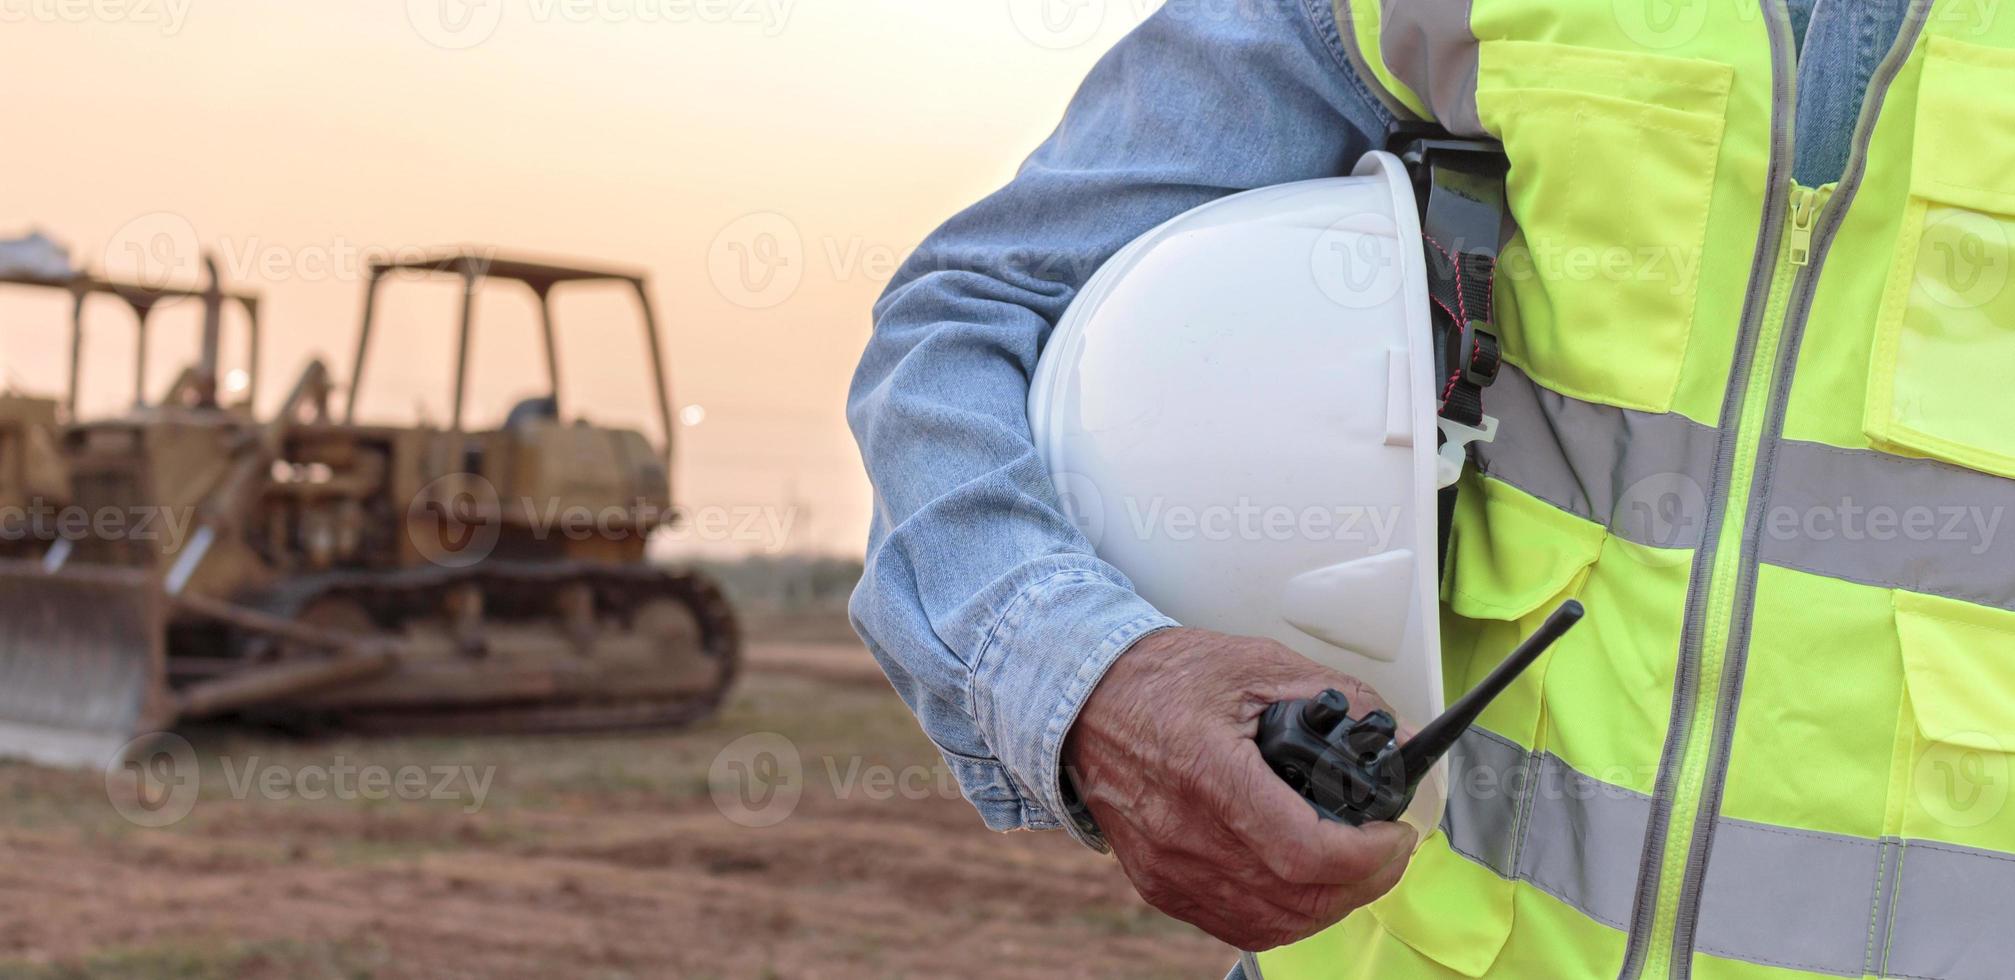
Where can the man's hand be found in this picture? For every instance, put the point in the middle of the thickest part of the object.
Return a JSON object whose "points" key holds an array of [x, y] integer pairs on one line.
{"points": [[1163, 755]]}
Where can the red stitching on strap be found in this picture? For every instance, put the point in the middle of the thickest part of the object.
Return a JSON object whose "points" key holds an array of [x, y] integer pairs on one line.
{"points": [[1457, 266], [1490, 294], [1454, 377]]}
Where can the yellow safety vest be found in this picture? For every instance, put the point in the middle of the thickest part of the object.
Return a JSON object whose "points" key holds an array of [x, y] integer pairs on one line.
{"points": [[1767, 433]]}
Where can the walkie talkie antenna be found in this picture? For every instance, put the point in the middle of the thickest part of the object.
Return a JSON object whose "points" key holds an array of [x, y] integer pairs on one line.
{"points": [[1421, 752]]}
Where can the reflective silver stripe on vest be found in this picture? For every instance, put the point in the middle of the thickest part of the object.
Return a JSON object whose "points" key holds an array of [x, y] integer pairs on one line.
{"points": [[1345, 14], [1952, 914], [1428, 45], [1581, 837], [1642, 475], [1914, 524], [1822, 903], [1857, 515], [1791, 898]]}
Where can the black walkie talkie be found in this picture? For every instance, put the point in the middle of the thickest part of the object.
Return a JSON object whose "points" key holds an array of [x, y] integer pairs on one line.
{"points": [[1353, 769]]}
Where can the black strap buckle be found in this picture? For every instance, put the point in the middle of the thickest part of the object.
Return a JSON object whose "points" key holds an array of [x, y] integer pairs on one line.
{"points": [[1481, 354]]}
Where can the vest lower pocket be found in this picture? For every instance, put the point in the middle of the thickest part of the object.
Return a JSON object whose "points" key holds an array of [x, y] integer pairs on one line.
{"points": [[1944, 354], [1960, 740], [1613, 159], [1450, 909], [1512, 559]]}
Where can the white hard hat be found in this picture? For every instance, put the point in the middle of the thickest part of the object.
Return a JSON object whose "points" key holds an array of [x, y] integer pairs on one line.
{"points": [[1239, 410]]}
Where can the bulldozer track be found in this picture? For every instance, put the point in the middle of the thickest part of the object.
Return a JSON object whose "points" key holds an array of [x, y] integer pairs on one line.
{"points": [[393, 596]]}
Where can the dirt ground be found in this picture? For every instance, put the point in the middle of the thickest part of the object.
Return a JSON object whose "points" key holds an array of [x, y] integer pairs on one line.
{"points": [[605, 857]]}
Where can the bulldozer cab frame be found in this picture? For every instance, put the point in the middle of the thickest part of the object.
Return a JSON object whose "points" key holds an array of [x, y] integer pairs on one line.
{"points": [[197, 384], [473, 267]]}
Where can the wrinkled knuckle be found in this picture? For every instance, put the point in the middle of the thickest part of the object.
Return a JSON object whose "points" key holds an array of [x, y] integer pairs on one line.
{"points": [[1281, 932], [1364, 694], [1279, 860], [1307, 902], [1358, 864], [1296, 861], [1301, 869]]}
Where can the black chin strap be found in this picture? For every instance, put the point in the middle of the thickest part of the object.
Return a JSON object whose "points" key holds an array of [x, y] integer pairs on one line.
{"points": [[1460, 186], [1463, 218]]}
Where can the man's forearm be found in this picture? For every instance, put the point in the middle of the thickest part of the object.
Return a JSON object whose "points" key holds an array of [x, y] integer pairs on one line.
{"points": [[985, 605]]}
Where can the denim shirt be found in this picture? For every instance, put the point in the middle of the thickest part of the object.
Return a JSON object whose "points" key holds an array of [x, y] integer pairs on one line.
{"points": [[983, 603]]}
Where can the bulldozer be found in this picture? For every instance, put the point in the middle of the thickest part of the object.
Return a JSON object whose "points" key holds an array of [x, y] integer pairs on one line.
{"points": [[311, 570]]}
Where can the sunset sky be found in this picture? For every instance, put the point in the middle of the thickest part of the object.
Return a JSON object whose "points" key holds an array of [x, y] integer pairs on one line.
{"points": [[766, 161]]}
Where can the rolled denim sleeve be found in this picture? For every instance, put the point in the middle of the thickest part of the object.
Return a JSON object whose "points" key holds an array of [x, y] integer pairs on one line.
{"points": [[988, 609]]}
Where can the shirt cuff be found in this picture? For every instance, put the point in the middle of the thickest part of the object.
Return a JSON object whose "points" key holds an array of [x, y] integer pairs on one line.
{"points": [[1050, 647]]}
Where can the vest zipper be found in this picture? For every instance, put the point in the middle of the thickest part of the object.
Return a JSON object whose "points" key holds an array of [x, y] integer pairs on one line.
{"points": [[1717, 674], [1675, 805], [1715, 641], [1805, 205], [1685, 854], [1817, 214]]}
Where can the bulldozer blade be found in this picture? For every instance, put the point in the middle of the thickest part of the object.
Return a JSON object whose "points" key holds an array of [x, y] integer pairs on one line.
{"points": [[82, 665]]}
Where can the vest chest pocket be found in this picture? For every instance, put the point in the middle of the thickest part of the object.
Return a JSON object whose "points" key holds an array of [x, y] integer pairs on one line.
{"points": [[1944, 354], [1613, 157]]}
